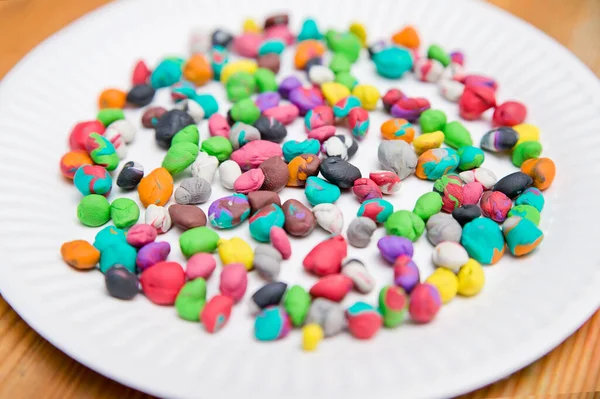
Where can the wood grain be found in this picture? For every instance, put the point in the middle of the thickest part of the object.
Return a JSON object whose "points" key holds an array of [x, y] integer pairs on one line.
{"points": [[30, 367]]}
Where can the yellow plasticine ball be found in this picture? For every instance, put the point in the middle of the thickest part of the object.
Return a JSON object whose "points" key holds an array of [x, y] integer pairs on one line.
{"points": [[236, 250], [446, 282], [232, 68], [334, 92], [312, 334], [250, 26], [359, 31], [527, 132], [471, 278], [428, 141], [368, 96]]}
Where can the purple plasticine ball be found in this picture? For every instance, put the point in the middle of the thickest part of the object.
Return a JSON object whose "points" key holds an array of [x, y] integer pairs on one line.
{"points": [[305, 99], [287, 85], [391, 247], [267, 100], [152, 253]]}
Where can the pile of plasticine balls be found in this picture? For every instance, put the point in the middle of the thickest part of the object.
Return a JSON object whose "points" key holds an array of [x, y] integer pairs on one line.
{"points": [[470, 217]]}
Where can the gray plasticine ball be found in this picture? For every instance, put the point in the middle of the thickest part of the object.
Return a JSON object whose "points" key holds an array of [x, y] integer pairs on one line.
{"points": [[267, 261], [397, 156], [443, 227], [360, 231], [328, 314], [193, 190], [121, 283]]}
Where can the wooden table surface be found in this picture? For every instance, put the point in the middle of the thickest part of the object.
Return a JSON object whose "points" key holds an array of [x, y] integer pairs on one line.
{"points": [[30, 367]]}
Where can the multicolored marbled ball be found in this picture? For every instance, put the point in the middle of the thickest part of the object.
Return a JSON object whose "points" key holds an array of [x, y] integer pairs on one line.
{"points": [[470, 157], [262, 221], [306, 98], [182, 90], [342, 108], [363, 320], [406, 273], [271, 324], [398, 129], [241, 134], [437, 162], [92, 179], [440, 185], [495, 205], [425, 302], [377, 209], [483, 240], [409, 108], [102, 151], [499, 139], [219, 58], [450, 187], [230, 211], [72, 160], [526, 212], [393, 305], [358, 121], [522, 236], [532, 196], [318, 117], [130, 176]]}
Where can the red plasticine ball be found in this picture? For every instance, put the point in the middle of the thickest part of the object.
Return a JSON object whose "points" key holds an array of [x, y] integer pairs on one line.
{"points": [[425, 302], [452, 197], [216, 313], [495, 205], [365, 189], [161, 283], [363, 320], [326, 257], [141, 73], [81, 131], [510, 113], [391, 97], [475, 101], [334, 287], [479, 80]]}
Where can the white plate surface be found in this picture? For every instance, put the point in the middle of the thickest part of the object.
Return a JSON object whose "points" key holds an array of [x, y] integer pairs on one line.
{"points": [[527, 307]]}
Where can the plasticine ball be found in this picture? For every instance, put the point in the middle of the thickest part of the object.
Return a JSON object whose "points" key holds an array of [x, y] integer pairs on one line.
{"points": [[483, 241], [271, 324], [363, 320], [72, 160], [92, 179], [425, 302], [437, 162], [522, 235]]}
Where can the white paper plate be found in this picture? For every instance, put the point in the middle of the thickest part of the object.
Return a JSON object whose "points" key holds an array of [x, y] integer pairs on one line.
{"points": [[527, 307]]}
